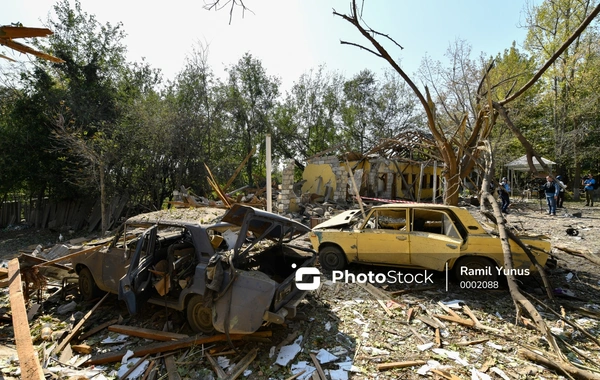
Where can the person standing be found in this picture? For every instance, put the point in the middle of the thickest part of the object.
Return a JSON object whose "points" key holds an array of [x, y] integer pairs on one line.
{"points": [[561, 193], [551, 190], [588, 186], [504, 192]]}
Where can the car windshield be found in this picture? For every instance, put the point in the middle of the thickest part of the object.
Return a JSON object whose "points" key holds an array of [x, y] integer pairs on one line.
{"points": [[434, 221]]}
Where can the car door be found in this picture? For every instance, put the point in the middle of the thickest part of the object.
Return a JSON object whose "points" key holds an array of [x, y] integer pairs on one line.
{"points": [[135, 286], [115, 262], [434, 239], [384, 238]]}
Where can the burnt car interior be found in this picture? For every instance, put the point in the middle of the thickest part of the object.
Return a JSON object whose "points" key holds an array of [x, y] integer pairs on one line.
{"points": [[173, 261]]}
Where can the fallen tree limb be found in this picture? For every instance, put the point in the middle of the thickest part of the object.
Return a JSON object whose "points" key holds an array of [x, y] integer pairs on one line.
{"points": [[518, 298], [530, 255], [572, 324], [580, 253], [563, 367]]}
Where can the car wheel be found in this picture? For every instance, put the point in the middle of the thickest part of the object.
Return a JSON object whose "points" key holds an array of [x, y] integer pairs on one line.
{"points": [[87, 286], [199, 316], [332, 258], [474, 268]]}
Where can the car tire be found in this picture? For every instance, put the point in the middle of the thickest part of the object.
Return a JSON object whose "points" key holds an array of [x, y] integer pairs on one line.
{"points": [[332, 258], [87, 286], [199, 316], [486, 269]]}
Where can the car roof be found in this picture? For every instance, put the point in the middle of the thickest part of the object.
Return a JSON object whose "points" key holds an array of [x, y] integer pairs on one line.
{"points": [[135, 221], [416, 205]]}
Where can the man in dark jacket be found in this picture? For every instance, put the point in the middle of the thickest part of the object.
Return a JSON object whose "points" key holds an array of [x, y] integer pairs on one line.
{"points": [[551, 190]]}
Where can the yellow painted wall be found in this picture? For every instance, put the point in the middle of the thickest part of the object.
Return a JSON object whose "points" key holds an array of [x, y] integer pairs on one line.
{"points": [[317, 177]]}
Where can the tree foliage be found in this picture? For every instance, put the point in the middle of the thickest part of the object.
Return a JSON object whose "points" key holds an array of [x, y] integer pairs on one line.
{"points": [[98, 126]]}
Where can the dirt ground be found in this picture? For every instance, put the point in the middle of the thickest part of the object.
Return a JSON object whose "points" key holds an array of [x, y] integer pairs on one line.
{"points": [[366, 328]]}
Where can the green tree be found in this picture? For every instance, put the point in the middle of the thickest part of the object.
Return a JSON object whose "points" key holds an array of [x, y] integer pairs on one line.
{"points": [[96, 86], [251, 101], [570, 108], [306, 122]]}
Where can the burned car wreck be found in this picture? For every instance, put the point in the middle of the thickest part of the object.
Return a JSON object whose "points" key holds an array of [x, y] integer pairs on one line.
{"points": [[230, 276]]}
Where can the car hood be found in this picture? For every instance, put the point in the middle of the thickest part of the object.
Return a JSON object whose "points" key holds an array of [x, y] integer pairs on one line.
{"points": [[263, 224], [346, 218]]}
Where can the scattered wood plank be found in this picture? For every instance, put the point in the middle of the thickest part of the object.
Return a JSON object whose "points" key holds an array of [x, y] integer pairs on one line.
{"points": [[171, 367], [241, 366], [448, 310], [379, 294], [294, 377], [29, 362], [457, 319], [430, 322], [216, 367], [149, 370], [472, 342], [410, 363], [78, 326], [417, 335], [140, 332], [318, 366], [445, 375], [3, 273], [155, 348], [82, 348]]}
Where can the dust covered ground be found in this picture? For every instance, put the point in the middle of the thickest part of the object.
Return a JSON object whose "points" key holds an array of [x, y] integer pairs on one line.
{"points": [[360, 329]]}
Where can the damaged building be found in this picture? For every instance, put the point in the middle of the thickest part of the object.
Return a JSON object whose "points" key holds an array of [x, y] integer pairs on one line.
{"points": [[402, 168]]}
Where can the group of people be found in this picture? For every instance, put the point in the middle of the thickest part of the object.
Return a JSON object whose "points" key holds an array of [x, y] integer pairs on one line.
{"points": [[554, 190]]}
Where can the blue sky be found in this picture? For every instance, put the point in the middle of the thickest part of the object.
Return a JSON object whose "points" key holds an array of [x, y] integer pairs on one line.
{"points": [[292, 36]]}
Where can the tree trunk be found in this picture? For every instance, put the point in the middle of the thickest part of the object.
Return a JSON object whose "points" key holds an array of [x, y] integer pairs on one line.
{"points": [[103, 200]]}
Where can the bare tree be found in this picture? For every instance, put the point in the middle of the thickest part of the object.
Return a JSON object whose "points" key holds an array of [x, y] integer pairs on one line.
{"points": [[217, 5]]}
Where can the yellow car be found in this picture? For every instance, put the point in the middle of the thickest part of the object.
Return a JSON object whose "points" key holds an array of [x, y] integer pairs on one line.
{"points": [[425, 236]]}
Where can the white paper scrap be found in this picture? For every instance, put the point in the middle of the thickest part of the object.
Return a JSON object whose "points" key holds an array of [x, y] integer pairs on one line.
{"points": [[454, 304], [426, 346], [303, 366], [500, 373], [338, 374], [288, 353], [431, 364], [325, 356], [139, 371], [119, 339], [478, 375], [452, 355], [494, 345]]}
